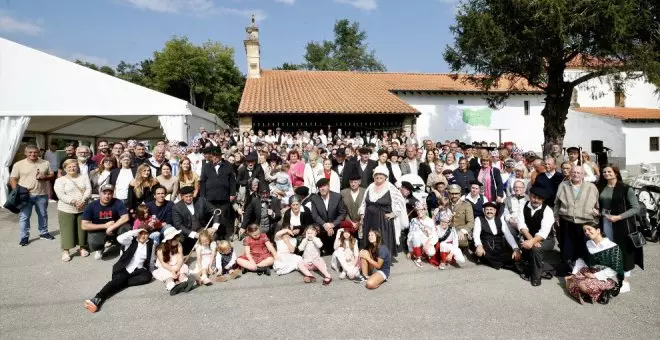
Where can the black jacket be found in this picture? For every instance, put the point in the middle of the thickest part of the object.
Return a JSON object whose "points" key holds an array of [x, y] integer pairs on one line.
{"points": [[183, 220], [128, 254], [463, 179], [244, 177], [335, 213], [17, 199], [305, 218], [550, 185], [424, 171], [354, 167], [133, 201], [253, 213], [217, 186]]}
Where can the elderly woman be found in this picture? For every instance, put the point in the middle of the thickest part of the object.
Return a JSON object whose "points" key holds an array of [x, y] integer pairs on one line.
{"points": [[101, 175], [73, 191], [491, 179], [384, 210], [518, 174], [436, 176], [121, 177], [618, 207], [298, 217], [169, 181], [296, 169], [313, 172], [450, 161]]}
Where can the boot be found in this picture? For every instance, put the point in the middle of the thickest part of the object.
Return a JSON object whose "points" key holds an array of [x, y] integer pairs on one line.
{"points": [[263, 270], [93, 304]]}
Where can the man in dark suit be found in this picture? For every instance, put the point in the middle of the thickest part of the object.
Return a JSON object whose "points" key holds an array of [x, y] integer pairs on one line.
{"points": [[218, 186], [254, 213], [549, 180], [364, 167], [353, 196], [328, 211], [190, 215], [339, 165]]}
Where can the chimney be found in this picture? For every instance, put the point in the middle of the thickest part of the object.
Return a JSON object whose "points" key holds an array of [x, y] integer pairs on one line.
{"points": [[619, 98], [252, 51], [574, 98]]}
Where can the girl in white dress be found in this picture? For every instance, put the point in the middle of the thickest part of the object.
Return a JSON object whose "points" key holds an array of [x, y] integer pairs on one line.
{"points": [[448, 238], [346, 255], [205, 254], [287, 261], [422, 235]]}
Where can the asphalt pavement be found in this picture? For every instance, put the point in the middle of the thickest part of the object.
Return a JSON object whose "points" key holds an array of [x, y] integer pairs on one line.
{"points": [[42, 297]]}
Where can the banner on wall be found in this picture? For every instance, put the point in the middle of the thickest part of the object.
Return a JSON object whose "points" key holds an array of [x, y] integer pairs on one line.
{"points": [[467, 118]]}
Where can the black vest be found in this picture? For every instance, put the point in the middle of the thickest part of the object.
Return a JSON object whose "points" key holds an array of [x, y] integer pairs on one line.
{"points": [[478, 208], [128, 254], [533, 222], [486, 233]]}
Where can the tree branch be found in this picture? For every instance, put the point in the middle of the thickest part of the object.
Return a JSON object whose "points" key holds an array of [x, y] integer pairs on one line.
{"points": [[592, 75]]}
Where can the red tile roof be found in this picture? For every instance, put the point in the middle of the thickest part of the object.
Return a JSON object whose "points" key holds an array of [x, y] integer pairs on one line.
{"points": [[582, 61], [623, 113], [279, 91]]}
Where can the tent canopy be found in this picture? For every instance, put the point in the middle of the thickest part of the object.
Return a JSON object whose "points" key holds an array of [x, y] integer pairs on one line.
{"points": [[64, 98]]}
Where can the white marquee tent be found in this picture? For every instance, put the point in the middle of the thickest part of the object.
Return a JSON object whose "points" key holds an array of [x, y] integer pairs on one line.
{"points": [[45, 96]]}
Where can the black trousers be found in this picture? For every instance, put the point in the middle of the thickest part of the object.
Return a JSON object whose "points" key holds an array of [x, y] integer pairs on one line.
{"points": [[123, 279], [535, 266], [497, 253], [226, 229], [572, 244]]}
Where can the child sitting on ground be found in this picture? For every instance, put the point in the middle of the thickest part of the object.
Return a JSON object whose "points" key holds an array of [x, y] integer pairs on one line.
{"points": [[259, 252], [422, 236], [287, 261], [311, 258], [346, 255], [448, 238], [225, 262]]}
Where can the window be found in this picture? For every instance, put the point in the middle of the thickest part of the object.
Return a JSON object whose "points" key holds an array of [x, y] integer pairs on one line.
{"points": [[654, 144], [526, 105], [460, 102]]}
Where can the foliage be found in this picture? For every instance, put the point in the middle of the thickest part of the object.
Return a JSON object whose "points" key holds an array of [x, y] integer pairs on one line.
{"points": [[205, 76], [347, 52], [535, 40]]}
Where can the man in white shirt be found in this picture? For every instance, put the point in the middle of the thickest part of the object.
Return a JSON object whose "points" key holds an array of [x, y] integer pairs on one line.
{"points": [[190, 215], [513, 204], [489, 236], [196, 159], [132, 269], [535, 222]]}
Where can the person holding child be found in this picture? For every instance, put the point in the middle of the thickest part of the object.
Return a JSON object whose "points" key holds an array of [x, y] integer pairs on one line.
{"points": [[376, 261], [259, 252], [346, 257], [311, 247], [143, 220], [170, 266]]}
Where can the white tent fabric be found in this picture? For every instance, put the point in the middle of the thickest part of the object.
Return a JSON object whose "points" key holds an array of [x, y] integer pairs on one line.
{"points": [[11, 130], [61, 98]]}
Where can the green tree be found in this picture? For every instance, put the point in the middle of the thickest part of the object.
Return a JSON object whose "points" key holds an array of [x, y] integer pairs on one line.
{"points": [[206, 76], [104, 69], [535, 40], [138, 73], [347, 52]]}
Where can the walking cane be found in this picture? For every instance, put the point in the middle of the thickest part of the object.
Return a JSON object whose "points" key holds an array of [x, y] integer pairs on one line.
{"points": [[215, 212]]}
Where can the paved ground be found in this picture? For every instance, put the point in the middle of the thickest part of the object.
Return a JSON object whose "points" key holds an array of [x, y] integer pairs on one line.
{"points": [[42, 297]]}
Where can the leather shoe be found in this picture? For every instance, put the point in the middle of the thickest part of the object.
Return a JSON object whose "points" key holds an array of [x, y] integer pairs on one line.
{"points": [[536, 282], [524, 276]]}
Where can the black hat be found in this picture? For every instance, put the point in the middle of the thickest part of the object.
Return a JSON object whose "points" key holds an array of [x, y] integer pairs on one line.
{"points": [[408, 186], [187, 190], [490, 205], [538, 191], [341, 152], [301, 191], [183, 144], [572, 149], [322, 182], [394, 154], [213, 150], [364, 151], [473, 182], [354, 176], [251, 157], [258, 144]]}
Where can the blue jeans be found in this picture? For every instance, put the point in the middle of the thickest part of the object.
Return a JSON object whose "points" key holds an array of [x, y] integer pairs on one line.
{"points": [[40, 204]]}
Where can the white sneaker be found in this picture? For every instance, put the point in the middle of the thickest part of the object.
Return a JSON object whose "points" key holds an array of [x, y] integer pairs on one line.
{"points": [[98, 255], [625, 287], [342, 275]]}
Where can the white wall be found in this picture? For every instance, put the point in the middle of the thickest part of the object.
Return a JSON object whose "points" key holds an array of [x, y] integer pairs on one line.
{"points": [[526, 131], [598, 92], [637, 142], [582, 128]]}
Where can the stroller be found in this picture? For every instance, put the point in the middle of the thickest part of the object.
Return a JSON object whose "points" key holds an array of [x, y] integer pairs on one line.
{"points": [[649, 212]]}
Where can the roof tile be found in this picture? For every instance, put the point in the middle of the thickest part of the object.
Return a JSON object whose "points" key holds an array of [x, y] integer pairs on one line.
{"points": [[624, 113]]}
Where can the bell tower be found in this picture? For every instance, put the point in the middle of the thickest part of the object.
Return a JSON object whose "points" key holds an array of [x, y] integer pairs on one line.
{"points": [[252, 50]]}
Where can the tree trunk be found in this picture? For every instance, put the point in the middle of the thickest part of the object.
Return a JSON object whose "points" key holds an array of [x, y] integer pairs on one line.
{"points": [[191, 88], [557, 103]]}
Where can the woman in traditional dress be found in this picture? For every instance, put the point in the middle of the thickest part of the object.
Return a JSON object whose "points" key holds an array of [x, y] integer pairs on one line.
{"points": [[618, 207], [600, 275], [384, 209]]}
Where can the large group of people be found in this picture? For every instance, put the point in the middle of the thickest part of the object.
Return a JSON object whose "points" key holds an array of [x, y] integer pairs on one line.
{"points": [[360, 198]]}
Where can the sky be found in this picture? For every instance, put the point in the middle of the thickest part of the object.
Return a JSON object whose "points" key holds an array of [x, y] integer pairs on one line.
{"points": [[407, 35]]}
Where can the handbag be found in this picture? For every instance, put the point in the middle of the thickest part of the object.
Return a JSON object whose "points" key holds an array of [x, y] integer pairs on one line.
{"points": [[638, 240]]}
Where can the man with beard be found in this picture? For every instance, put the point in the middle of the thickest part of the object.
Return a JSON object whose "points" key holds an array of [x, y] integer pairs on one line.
{"points": [[102, 150], [463, 218], [491, 236], [264, 212]]}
